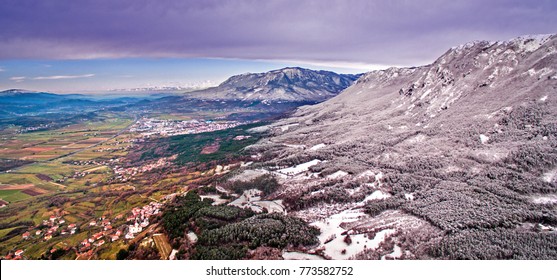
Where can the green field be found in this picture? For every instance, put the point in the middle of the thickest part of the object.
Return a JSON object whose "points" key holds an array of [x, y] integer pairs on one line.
{"points": [[13, 195], [189, 147]]}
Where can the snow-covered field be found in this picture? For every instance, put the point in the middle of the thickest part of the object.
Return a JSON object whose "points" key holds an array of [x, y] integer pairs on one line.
{"points": [[333, 241], [299, 168], [249, 174], [288, 126], [216, 198], [378, 194], [397, 253], [252, 199], [338, 174]]}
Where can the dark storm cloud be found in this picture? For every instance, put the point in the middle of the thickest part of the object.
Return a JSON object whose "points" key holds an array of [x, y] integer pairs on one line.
{"points": [[375, 32]]}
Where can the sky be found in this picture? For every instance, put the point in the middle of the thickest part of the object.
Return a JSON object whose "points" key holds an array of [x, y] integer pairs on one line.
{"points": [[80, 45]]}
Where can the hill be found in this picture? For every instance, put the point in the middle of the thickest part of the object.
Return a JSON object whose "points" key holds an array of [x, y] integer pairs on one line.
{"points": [[456, 159]]}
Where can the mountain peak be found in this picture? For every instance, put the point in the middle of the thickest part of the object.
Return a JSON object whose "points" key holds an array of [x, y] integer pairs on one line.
{"points": [[525, 43], [17, 91], [289, 84]]}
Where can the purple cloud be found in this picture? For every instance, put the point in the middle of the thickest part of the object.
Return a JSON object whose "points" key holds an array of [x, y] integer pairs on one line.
{"points": [[373, 32]]}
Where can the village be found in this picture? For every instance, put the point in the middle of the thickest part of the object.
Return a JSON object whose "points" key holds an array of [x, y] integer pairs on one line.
{"points": [[155, 127], [137, 221]]}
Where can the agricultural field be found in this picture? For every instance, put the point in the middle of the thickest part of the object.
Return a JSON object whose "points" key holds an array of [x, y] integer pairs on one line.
{"points": [[62, 187], [40, 157], [40, 180], [48, 145]]}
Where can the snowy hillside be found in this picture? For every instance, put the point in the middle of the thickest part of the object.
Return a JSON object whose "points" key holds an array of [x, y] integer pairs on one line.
{"points": [[450, 160]]}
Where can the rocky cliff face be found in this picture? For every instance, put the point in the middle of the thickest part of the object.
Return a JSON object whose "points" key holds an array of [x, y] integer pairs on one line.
{"points": [[456, 159]]}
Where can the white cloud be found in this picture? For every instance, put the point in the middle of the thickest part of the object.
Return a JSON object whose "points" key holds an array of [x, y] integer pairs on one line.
{"points": [[2, 69], [18, 79], [64, 77], [357, 67]]}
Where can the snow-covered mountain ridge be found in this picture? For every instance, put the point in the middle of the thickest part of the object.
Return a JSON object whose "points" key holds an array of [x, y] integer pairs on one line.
{"points": [[455, 159], [287, 84]]}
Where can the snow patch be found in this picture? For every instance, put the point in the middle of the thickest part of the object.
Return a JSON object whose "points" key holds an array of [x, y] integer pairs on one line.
{"points": [[409, 196], [288, 126], [379, 176], [217, 199], [397, 253], [295, 146], [531, 43], [484, 139], [550, 176], [376, 195], [317, 147], [544, 98], [247, 196], [299, 168], [367, 173], [192, 237], [331, 234], [545, 199], [338, 174], [252, 199]]}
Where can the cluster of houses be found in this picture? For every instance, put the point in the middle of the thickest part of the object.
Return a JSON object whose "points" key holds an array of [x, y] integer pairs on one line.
{"points": [[96, 162], [117, 145], [139, 218], [136, 222], [99, 238], [55, 225], [17, 255], [120, 148], [79, 174], [124, 174], [151, 126]]}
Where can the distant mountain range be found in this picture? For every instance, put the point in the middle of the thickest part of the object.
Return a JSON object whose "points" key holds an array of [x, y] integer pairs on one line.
{"points": [[19, 96], [287, 84]]}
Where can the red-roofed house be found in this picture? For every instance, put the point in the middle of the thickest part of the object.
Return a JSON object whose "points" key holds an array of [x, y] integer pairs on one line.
{"points": [[98, 235], [26, 235], [18, 253]]}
